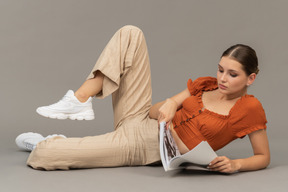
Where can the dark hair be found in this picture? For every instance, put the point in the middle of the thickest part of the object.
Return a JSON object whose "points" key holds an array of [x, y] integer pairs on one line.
{"points": [[244, 55]]}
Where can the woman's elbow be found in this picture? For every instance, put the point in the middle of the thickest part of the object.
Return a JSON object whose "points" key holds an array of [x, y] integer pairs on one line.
{"points": [[265, 162], [152, 114]]}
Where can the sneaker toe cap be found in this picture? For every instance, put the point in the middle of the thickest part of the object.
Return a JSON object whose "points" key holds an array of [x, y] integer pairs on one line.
{"points": [[22, 137], [42, 111]]}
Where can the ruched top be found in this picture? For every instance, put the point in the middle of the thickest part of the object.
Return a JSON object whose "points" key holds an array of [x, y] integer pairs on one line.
{"points": [[194, 124]]}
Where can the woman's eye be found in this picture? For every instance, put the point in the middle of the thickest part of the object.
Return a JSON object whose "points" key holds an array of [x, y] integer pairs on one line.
{"points": [[233, 75], [220, 70]]}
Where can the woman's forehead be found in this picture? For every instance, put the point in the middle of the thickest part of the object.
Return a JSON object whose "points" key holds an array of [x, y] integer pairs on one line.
{"points": [[230, 64]]}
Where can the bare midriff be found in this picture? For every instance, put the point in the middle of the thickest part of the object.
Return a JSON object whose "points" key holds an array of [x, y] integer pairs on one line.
{"points": [[181, 146]]}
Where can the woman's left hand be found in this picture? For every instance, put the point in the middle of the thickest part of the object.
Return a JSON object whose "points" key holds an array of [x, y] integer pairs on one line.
{"points": [[223, 164]]}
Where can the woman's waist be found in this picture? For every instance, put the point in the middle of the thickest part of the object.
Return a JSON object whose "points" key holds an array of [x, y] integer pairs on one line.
{"points": [[188, 135], [180, 144]]}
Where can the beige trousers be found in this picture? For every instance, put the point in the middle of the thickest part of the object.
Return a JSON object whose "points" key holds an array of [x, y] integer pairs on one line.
{"points": [[126, 68]]}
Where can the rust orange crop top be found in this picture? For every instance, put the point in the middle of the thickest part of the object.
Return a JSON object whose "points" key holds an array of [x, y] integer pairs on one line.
{"points": [[194, 124]]}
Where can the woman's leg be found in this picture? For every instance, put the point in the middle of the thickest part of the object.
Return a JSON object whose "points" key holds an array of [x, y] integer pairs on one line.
{"points": [[126, 68], [90, 87], [123, 70], [127, 146], [131, 144], [108, 150]]}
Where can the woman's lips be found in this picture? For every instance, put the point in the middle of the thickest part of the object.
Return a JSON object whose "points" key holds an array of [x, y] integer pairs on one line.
{"points": [[222, 86]]}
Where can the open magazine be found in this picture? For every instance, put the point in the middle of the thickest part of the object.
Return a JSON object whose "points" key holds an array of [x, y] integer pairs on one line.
{"points": [[200, 156]]}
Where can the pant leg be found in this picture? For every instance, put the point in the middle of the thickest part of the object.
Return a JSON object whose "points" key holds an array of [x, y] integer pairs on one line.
{"points": [[135, 142], [106, 150], [125, 64]]}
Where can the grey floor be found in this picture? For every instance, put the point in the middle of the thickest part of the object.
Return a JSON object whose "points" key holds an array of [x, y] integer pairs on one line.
{"points": [[48, 47], [15, 176]]}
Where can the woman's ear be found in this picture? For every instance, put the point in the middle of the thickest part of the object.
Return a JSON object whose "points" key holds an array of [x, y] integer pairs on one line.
{"points": [[251, 79]]}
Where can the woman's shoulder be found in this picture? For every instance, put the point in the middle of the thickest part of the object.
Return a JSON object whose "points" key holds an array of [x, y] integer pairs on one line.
{"points": [[207, 79], [250, 102], [249, 116], [202, 84], [249, 107]]}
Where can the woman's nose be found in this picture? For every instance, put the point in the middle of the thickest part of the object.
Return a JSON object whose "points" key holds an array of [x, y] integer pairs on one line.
{"points": [[223, 77]]}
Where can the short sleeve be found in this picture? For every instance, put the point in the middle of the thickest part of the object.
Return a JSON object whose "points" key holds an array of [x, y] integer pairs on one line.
{"points": [[249, 117], [201, 84]]}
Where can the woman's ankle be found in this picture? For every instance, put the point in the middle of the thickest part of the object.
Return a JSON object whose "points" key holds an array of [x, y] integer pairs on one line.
{"points": [[81, 97]]}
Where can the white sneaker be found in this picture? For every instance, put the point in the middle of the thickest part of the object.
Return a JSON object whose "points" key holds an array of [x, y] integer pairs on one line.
{"points": [[28, 141], [68, 107]]}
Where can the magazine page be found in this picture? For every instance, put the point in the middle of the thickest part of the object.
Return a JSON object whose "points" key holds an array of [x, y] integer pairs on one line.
{"points": [[171, 158], [168, 147], [200, 155]]}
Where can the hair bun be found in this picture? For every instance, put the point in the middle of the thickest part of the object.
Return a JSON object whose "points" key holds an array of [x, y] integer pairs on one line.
{"points": [[257, 71]]}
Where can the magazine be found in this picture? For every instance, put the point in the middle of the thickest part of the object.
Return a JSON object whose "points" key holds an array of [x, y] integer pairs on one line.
{"points": [[200, 156]]}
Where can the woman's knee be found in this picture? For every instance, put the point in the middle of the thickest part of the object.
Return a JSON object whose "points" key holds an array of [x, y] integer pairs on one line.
{"points": [[130, 27]]}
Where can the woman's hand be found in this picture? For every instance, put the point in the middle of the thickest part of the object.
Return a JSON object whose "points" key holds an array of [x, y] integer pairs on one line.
{"points": [[167, 111], [259, 160], [224, 165]]}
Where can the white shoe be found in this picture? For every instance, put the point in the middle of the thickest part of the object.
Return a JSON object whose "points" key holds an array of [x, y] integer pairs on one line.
{"points": [[28, 141], [68, 107]]}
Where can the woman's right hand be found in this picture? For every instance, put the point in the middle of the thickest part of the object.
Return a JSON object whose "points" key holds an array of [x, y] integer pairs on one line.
{"points": [[167, 111]]}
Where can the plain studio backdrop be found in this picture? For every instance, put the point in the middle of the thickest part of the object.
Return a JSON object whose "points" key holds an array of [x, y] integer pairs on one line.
{"points": [[50, 46]]}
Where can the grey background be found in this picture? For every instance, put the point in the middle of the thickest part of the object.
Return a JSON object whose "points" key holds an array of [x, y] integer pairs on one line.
{"points": [[48, 47]]}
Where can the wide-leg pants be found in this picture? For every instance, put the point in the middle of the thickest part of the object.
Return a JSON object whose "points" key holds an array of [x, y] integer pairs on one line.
{"points": [[126, 68]]}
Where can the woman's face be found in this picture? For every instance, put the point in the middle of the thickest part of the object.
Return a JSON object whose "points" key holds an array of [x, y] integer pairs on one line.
{"points": [[232, 79]]}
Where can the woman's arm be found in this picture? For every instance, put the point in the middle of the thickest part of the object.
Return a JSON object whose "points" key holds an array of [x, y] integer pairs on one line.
{"points": [[260, 160], [165, 110]]}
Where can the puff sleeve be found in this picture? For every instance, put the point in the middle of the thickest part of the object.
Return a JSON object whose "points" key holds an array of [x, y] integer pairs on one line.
{"points": [[201, 84], [249, 117]]}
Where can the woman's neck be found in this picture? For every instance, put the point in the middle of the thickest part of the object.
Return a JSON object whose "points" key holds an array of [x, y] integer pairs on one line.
{"points": [[232, 96]]}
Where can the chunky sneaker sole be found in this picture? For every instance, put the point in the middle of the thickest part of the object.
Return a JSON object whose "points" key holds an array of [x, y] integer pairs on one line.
{"points": [[85, 115]]}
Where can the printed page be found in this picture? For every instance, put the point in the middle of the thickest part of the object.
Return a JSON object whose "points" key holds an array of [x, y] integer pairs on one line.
{"points": [[201, 155], [171, 158], [168, 147]]}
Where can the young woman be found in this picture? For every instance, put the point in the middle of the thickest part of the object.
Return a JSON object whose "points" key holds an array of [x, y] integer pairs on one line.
{"points": [[217, 110]]}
